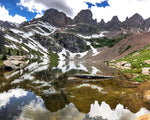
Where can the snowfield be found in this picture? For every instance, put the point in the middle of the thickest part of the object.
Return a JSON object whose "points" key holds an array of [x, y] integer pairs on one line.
{"points": [[94, 35]]}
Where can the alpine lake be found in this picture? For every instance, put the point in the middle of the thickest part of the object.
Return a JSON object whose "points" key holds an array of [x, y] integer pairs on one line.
{"points": [[47, 92]]}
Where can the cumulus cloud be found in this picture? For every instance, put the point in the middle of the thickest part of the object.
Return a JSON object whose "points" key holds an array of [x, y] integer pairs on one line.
{"points": [[4, 15], [121, 8], [39, 5]]}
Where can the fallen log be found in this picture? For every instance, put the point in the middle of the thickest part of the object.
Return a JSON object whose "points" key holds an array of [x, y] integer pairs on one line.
{"points": [[89, 76]]}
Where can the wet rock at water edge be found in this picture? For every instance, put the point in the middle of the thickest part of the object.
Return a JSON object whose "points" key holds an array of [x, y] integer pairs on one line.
{"points": [[13, 64], [93, 118]]}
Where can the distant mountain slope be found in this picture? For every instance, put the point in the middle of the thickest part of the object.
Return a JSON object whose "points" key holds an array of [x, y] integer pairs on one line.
{"points": [[125, 47], [79, 37], [7, 24]]}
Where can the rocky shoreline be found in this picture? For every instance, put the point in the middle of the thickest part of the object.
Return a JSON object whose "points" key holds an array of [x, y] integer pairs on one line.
{"points": [[14, 62]]}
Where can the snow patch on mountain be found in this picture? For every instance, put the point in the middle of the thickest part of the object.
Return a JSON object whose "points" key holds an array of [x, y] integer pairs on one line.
{"points": [[94, 35], [94, 50]]}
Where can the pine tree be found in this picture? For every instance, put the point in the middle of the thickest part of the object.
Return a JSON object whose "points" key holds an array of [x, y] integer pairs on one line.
{"points": [[17, 52], [9, 53]]}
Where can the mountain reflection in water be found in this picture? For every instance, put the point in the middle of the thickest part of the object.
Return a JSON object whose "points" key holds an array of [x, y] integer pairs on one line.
{"points": [[43, 92]]}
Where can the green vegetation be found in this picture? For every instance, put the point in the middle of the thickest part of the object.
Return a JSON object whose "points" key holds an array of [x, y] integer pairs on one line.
{"points": [[1, 61], [88, 47], [102, 42], [137, 60], [123, 48], [139, 78], [54, 58]]}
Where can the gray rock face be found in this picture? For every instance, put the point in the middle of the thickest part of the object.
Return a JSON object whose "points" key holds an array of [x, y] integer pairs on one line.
{"points": [[71, 42], [7, 24], [114, 24], [85, 29], [84, 16], [146, 24], [134, 22], [56, 18]]}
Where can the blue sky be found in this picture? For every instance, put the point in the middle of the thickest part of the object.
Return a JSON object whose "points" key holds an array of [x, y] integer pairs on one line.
{"points": [[98, 4], [13, 8], [25, 10]]}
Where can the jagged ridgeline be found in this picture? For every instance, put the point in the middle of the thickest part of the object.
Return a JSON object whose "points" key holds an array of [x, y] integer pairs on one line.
{"points": [[55, 33]]}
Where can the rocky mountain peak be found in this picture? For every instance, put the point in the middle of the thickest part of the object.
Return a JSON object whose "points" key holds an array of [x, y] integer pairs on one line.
{"points": [[115, 19], [7, 24], [102, 21], [127, 18], [114, 24], [84, 16], [56, 18], [137, 18], [133, 22]]}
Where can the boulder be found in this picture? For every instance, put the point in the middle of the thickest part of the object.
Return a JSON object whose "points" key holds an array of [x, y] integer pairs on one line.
{"points": [[147, 61], [123, 65], [145, 71]]}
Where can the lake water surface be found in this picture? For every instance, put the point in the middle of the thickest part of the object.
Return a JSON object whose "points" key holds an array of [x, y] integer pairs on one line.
{"points": [[44, 92]]}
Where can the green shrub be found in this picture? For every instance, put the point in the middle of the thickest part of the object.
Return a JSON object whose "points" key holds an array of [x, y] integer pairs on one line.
{"points": [[135, 65], [137, 70], [139, 79], [88, 47]]}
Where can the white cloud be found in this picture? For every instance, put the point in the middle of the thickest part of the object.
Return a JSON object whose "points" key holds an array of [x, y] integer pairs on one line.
{"points": [[4, 15], [32, 6], [121, 8], [38, 15], [37, 6]]}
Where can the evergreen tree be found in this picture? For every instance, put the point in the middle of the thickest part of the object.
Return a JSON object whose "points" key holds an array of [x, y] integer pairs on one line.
{"points": [[18, 52], [9, 53]]}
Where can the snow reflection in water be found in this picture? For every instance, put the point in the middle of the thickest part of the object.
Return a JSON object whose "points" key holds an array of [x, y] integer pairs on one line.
{"points": [[119, 113], [56, 103], [36, 111]]}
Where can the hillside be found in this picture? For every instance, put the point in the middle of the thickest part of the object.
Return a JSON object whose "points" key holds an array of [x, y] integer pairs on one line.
{"points": [[125, 47], [55, 33]]}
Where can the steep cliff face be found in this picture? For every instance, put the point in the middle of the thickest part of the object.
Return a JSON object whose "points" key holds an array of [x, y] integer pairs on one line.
{"points": [[114, 24], [146, 25], [84, 16], [71, 42], [134, 22], [56, 18]]}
